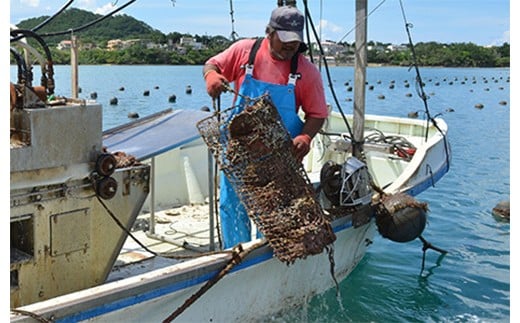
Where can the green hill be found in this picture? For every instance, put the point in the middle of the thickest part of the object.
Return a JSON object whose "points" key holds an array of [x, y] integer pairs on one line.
{"points": [[113, 27]]}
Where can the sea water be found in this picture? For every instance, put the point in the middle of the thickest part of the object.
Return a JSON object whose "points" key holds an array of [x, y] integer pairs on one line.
{"points": [[471, 283]]}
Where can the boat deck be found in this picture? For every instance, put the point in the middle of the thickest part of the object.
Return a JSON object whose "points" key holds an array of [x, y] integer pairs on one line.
{"points": [[179, 233]]}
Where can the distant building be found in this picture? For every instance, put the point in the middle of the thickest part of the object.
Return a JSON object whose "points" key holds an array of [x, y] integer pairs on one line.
{"points": [[190, 42], [64, 44], [118, 44]]}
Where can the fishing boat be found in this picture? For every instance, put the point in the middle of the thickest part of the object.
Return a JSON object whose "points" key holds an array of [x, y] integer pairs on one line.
{"points": [[78, 195]]}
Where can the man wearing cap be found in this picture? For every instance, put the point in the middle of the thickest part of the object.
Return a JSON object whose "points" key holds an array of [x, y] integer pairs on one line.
{"points": [[272, 64]]}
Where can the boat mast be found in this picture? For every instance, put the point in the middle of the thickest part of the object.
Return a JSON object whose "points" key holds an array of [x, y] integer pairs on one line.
{"points": [[360, 64]]}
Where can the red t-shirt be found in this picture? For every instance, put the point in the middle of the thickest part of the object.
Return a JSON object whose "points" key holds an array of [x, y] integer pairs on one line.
{"points": [[310, 95]]}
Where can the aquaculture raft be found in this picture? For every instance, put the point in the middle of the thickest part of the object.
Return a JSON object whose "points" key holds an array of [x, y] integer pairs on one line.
{"points": [[254, 150]]}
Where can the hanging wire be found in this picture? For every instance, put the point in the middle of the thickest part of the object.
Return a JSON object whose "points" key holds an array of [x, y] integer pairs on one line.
{"points": [[355, 26], [65, 6], [420, 83]]}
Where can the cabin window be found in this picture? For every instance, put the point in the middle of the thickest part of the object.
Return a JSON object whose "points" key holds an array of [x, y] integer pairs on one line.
{"points": [[22, 244], [22, 237]]}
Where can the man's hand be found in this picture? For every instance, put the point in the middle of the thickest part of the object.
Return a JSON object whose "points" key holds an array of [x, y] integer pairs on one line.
{"points": [[215, 83], [301, 146]]}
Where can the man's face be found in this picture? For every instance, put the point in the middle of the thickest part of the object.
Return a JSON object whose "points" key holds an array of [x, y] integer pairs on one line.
{"points": [[280, 50]]}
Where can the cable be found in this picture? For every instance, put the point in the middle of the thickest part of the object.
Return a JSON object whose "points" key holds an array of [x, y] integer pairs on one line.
{"points": [[47, 79], [318, 41], [46, 21]]}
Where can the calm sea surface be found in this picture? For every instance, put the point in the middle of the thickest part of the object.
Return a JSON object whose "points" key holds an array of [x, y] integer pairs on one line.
{"points": [[469, 284]]}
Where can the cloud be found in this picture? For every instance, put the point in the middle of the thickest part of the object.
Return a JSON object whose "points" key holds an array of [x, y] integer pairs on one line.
{"points": [[30, 3], [328, 30], [104, 9], [92, 6]]}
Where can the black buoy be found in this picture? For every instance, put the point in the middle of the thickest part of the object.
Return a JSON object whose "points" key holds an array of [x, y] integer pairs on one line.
{"points": [[479, 106], [188, 89], [401, 218], [413, 114], [205, 108], [122, 88], [93, 95], [502, 102], [172, 98], [381, 97], [133, 115], [113, 101], [146, 93]]}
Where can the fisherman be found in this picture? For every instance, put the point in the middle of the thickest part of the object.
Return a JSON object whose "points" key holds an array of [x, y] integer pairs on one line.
{"points": [[273, 65]]}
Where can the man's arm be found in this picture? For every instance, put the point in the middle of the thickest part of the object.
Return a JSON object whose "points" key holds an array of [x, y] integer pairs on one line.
{"points": [[302, 142], [312, 126], [208, 68]]}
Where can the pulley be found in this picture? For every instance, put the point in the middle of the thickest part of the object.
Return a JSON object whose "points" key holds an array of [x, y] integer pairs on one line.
{"points": [[105, 164], [355, 189], [347, 184], [106, 188], [330, 179]]}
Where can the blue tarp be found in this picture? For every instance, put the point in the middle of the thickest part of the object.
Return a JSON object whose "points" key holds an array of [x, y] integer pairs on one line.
{"points": [[156, 134]]}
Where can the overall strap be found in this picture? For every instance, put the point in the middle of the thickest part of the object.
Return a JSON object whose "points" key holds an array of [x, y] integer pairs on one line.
{"points": [[293, 76], [294, 67], [249, 66], [254, 50]]}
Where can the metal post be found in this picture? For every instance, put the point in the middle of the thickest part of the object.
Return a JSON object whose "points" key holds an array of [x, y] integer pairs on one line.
{"points": [[74, 65], [360, 76]]}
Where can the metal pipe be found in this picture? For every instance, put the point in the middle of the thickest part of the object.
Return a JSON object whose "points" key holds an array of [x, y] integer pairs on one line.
{"points": [[211, 210], [152, 196]]}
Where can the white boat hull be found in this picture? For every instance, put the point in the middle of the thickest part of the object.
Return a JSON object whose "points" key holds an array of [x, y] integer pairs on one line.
{"points": [[154, 296]]}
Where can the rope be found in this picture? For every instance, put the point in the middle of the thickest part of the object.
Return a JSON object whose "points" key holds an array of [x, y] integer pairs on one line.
{"points": [[237, 256], [427, 245], [35, 316], [332, 262]]}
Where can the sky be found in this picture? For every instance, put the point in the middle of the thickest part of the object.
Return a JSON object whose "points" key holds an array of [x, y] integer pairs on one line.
{"points": [[482, 22]]}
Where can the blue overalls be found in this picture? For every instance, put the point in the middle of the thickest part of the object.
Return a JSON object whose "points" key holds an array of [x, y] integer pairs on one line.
{"points": [[235, 224]]}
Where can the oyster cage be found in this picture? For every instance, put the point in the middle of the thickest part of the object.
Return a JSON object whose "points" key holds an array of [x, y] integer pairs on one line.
{"points": [[254, 150]]}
